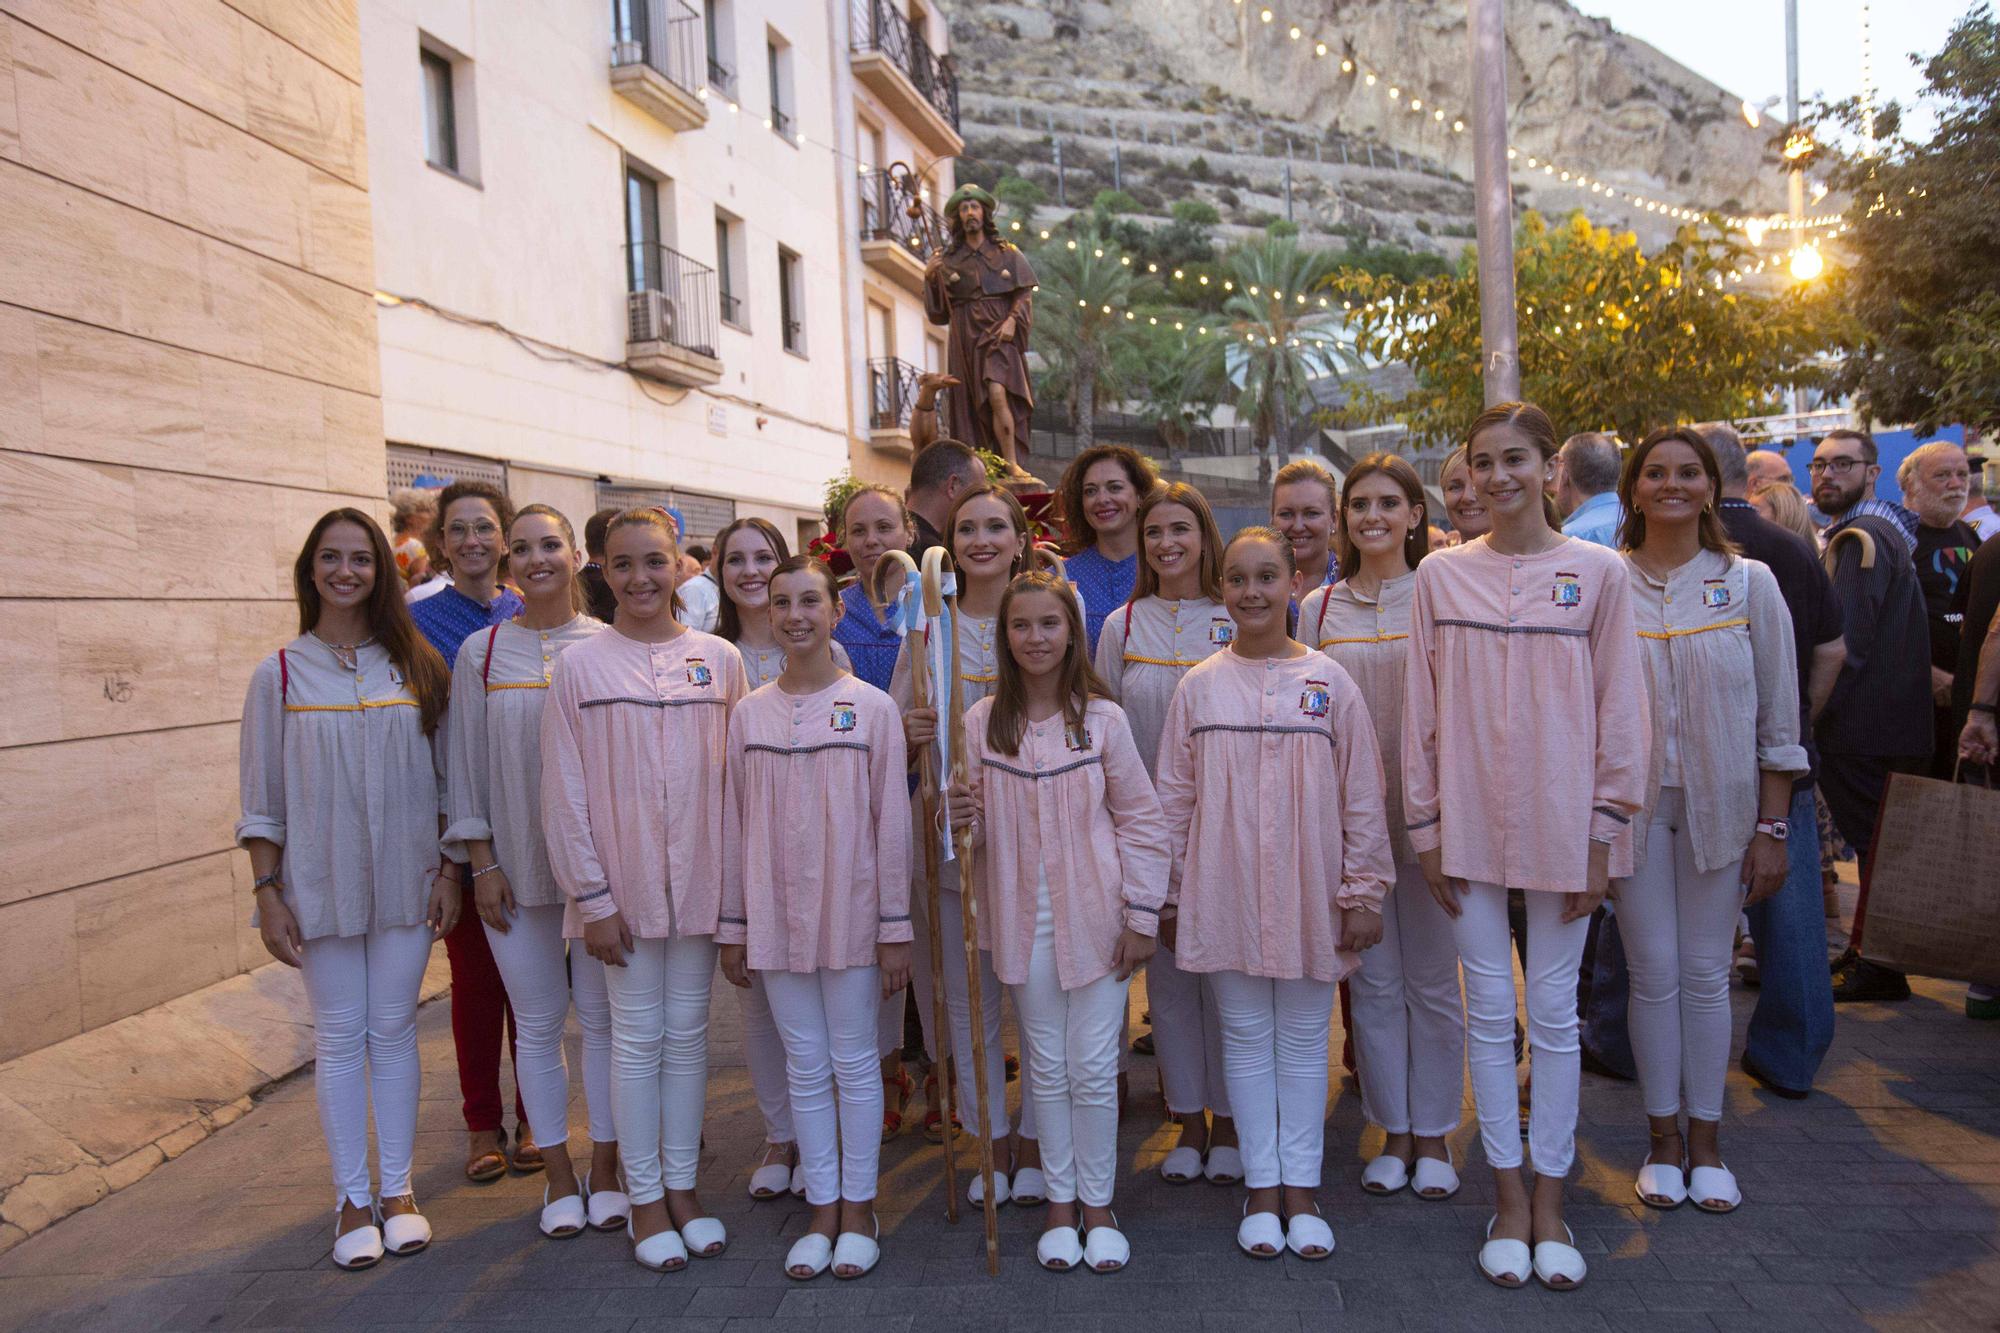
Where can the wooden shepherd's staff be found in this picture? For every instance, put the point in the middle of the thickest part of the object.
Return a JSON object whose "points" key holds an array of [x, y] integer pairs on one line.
{"points": [[969, 900], [920, 689]]}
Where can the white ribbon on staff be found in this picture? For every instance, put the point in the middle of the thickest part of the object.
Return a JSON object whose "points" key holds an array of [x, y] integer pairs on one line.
{"points": [[944, 691]]}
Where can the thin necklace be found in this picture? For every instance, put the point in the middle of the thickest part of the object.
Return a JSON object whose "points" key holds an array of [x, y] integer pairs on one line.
{"points": [[343, 647]]}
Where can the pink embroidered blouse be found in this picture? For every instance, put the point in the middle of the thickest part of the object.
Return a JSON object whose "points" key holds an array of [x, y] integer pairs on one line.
{"points": [[1272, 789], [1526, 732], [816, 828], [633, 739], [1081, 810]]}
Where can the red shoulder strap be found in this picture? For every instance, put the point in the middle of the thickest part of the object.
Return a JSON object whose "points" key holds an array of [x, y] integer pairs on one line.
{"points": [[1319, 624], [486, 667], [1128, 627], [284, 678]]}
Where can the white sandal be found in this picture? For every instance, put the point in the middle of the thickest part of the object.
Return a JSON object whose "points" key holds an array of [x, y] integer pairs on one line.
{"points": [[1309, 1231], [1181, 1166], [1260, 1229], [1657, 1181], [854, 1250], [1385, 1175], [1224, 1165], [772, 1179], [1059, 1250], [1555, 1259], [706, 1238], [607, 1209], [1714, 1182], [565, 1217], [405, 1234], [1504, 1263], [662, 1251], [1105, 1249], [975, 1193], [360, 1248], [1029, 1187], [812, 1251], [1434, 1181]]}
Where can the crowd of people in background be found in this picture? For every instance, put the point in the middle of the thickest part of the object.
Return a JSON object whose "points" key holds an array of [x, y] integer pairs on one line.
{"points": [[1610, 718]]}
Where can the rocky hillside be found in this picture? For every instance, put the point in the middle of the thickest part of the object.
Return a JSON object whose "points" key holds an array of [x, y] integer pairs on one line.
{"points": [[1169, 99]]}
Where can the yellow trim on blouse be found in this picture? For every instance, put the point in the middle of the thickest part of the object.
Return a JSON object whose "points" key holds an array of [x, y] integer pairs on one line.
{"points": [[1366, 638], [1695, 629], [351, 708], [518, 685], [1130, 658]]}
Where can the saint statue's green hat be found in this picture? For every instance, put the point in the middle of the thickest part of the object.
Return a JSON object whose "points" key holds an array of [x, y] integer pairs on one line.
{"points": [[965, 192]]}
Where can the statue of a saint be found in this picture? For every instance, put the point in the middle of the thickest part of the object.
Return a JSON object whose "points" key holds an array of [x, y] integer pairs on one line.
{"points": [[982, 288]]}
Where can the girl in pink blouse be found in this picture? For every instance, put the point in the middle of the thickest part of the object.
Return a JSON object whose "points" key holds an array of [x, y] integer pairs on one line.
{"points": [[1521, 645], [987, 531], [1407, 1023], [1272, 787], [815, 900], [1072, 877], [1174, 621], [632, 766]]}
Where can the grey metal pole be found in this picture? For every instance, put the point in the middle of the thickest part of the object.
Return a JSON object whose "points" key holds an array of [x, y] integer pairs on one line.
{"points": [[1795, 184], [1492, 192], [1062, 191]]}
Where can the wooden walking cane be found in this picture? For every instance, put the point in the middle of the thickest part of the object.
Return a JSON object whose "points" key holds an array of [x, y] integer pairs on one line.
{"points": [[920, 690], [969, 902]]}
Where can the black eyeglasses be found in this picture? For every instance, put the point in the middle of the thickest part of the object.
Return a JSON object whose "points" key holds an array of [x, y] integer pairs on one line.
{"points": [[1839, 467]]}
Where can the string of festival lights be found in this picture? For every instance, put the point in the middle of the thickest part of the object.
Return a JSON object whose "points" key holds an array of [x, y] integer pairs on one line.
{"points": [[1371, 76]]}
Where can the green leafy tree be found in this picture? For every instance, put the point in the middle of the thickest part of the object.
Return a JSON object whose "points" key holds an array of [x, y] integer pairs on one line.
{"points": [[1178, 395], [1611, 338], [1923, 245], [1019, 198], [1085, 324], [1271, 339]]}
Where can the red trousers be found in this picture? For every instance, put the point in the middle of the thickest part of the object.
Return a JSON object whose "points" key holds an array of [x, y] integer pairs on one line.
{"points": [[479, 1015]]}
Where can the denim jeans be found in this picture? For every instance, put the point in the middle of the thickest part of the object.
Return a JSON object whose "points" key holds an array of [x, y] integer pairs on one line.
{"points": [[1792, 1025]]}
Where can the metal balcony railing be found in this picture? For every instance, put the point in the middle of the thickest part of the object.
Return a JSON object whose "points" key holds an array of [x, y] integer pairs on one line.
{"points": [[892, 392], [721, 78], [877, 26], [670, 298], [885, 213], [663, 34], [732, 310]]}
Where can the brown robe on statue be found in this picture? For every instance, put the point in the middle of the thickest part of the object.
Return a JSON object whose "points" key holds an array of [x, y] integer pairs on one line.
{"points": [[974, 290]]}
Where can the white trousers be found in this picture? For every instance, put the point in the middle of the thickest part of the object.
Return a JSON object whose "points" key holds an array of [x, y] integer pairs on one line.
{"points": [[1679, 930], [1187, 1037], [659, 1061], [1069, 1043], [1409, 1026], [764, 1052], [1555, 950], [827, 1021], [958, 1008], [363, 990], [593, 1015], [1274, 1041], [533, 967]]}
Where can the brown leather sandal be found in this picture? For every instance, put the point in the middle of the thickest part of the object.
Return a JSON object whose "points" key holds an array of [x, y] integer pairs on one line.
{"points": [[489, 1162], [526, 1157]]}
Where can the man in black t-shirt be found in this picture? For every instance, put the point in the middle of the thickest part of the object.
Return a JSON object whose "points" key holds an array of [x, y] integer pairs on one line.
{"points": [[1793, 1022], [1936, 479]]}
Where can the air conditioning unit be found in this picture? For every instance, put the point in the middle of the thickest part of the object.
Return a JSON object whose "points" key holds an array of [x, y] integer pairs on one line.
{"points": [[649, 317], [627, 53]]}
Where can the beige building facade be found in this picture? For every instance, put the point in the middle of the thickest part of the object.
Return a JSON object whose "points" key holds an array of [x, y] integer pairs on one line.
{"points": [[188, 377]]}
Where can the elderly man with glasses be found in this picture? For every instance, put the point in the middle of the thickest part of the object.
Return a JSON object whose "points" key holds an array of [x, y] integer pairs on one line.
{"points": [[1878, 719]]}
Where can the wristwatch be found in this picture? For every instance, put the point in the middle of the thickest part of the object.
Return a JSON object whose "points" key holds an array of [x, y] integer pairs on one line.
{"points": [[1776, 829]]}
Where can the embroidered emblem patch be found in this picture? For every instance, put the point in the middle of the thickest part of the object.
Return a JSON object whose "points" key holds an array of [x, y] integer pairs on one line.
{"points": [[1221, 632], [1714, 594], [1077, 738], [1317, 701], [1568, 591], [395, 676], [698, 673], [843, 716]]}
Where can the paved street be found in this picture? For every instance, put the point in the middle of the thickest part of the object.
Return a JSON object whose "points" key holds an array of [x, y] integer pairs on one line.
{"points": [[1875, 1204]]}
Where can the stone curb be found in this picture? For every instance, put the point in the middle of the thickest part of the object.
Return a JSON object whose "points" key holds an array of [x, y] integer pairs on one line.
{"points": [[101, 1111]]}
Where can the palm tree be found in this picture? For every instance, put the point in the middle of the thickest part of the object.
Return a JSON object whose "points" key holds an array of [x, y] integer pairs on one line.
{"points": [[1178, 397], [1274, 335], [1085, 326]]}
